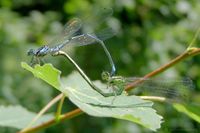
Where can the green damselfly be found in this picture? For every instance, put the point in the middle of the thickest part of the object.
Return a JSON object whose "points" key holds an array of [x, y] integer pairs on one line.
{"points": [[173, 90]]}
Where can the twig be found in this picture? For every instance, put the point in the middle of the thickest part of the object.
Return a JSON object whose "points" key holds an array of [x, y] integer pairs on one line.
{"points": [[51, 122], [188, 53]]}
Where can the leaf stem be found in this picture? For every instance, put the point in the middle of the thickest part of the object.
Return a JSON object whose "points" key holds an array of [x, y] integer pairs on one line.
{"points": [[153, 98], [52, 102], [59, 109], [194, 38]]}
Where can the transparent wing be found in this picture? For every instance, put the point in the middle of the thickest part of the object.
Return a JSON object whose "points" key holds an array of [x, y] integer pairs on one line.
{"points": [[105, 34], [75, 24], [86, 39], [179, 90], [95, 18], [69, 29], [88, 25]]}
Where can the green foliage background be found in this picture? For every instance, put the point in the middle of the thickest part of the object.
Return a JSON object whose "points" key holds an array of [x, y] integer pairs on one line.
{"points": [[149, 34]]}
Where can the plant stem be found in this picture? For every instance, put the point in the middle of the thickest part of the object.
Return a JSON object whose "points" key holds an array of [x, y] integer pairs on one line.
{"points": [[52, 102], [153, 98], [59, 109], [76, 112], [184, 55], [51, 122]]}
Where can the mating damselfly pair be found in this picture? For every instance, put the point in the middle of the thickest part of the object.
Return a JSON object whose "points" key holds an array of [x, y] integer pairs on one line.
{"points": [[167, 88]]}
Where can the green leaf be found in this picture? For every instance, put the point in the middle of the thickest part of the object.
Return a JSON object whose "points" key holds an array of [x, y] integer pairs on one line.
{"points": [[46, 72], [190, 110], [131, 108], [18, 117]]}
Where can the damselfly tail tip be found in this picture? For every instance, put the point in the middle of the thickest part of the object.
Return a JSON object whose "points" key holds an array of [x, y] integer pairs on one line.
{"points": [[113, 72]]}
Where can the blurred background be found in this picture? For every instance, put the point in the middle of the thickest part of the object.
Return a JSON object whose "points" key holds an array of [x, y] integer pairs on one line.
{"points": [[148, 34]]}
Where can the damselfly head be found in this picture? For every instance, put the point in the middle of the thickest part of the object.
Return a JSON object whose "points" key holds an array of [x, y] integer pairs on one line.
{"points": [[31, 52], [105, 75]]}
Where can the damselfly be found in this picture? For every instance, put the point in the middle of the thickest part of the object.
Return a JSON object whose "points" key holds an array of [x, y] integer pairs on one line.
{"points": [[66, 38], [175, 90]]}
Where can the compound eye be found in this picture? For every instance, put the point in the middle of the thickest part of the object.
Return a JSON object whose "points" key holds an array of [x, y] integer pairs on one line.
{"points": [[105, 75], [30, 52]]}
